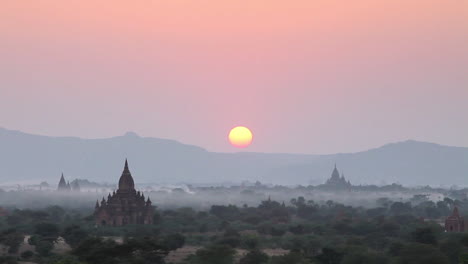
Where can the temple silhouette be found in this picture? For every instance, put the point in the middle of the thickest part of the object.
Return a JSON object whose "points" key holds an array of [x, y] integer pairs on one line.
{"points": [[126, 206], [63, 186], [337, 181]]}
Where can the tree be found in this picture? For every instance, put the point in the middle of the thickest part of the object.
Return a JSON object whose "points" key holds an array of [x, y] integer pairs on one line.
{"points": [[375, 212], [63, 259], [424, 235], [132, 251], [230, 212], [250, 242], [463, 259], [306, 211], [48, 230], [74, 234], [96, 250], [464, 240], [8, 260], [395, 248], [291, 258], [417, 253], [231, 238], [44, 247], [27, 254], [390, 228], [329, 256], [361, 257], [215, 254], [56, 213], [452, 248], [143, 251], [174, 241], [308, 246], [399, 208], [254, 257], [12, 239], [44, 237]]}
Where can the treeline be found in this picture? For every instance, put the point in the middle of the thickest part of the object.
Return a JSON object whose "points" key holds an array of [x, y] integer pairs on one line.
{"points": [[322, 233]]}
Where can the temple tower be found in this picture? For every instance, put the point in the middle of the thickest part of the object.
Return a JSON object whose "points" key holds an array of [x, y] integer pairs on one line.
{"points": [[126, 206], [455, 222], [63, 186]]}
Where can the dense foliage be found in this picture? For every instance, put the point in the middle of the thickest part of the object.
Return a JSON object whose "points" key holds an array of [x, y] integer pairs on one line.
{"points": [[311, 232]]}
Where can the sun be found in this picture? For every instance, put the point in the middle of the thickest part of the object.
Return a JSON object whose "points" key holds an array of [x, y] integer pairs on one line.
{"points": [[240, 137]]}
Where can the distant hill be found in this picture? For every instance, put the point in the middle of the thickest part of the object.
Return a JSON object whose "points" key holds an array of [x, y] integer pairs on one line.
{"points": [[32, 158]]}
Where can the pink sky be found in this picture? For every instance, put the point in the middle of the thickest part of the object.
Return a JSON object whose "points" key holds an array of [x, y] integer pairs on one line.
{"points": [[306, 76]]}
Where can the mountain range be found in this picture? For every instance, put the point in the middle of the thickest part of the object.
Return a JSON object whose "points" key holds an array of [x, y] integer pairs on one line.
{"points": [[33, 158]]}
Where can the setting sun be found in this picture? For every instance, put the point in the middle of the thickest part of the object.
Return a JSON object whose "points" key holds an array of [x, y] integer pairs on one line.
{"points": [[240, 137]]}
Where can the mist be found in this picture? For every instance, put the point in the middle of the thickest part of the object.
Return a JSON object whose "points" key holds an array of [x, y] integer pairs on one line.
{"points": [[202, 198]]}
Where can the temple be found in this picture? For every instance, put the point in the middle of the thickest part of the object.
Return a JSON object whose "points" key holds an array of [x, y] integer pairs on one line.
{"points": [[126, 206], [455, 222], [336, 181], [63, 186]]}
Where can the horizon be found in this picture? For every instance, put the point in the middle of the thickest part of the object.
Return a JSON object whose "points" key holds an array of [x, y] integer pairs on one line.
{"points": [[132, 133], [169, 161]]}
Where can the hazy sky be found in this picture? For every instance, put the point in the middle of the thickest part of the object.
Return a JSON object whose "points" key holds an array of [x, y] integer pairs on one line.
{"points": [[306, 76]]}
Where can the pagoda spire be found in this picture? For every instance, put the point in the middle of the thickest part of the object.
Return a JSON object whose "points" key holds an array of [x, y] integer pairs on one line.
{"points": [[126, 170], [126, 182], [62, 184], [335, 173]]}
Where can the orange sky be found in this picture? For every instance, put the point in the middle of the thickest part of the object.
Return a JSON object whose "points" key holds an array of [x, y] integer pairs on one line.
{"points": [[190, 70]]}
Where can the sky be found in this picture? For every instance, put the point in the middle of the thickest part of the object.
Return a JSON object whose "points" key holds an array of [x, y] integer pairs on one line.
{"points": [[317, 77]]}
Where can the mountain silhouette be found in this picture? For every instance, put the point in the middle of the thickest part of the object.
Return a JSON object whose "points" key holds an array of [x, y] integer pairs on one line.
{"points": [[32, 158]]}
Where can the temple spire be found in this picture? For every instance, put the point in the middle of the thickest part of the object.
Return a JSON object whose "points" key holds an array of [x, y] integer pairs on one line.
{"points": [[126, 182], [126, 170], [62, 186], [335, 173]]}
